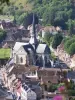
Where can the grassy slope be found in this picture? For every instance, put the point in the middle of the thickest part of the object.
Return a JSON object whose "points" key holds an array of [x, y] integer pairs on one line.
{"points": [[4, 53], [2, 17]]}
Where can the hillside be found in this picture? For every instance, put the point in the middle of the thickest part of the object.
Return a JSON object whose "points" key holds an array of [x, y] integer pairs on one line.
{"points": [[52, 12]]}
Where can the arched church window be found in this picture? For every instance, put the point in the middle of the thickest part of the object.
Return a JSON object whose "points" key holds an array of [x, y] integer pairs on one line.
{"points": [[21, 59]]}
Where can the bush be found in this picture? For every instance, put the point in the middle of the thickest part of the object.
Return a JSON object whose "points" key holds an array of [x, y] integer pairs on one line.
{"points": [[21, 18], [52, 88], [53, 57], [57, 40], [72, 49], [2, 35], [66, 39], [71, 92], [68, 43], [48, 38]]}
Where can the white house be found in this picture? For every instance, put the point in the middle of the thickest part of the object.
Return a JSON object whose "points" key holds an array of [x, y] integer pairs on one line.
{"points": [[32, 74], [26, 93]]}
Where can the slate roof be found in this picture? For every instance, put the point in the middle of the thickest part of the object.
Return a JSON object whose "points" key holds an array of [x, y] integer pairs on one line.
{"points": [[3, 92], [28, 47], [31, 41], [9, 38], [41, 48], [18, 45], [71, 74]]}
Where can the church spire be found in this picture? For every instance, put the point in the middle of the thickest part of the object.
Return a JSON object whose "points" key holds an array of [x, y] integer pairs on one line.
{"points": [[34, 32]]}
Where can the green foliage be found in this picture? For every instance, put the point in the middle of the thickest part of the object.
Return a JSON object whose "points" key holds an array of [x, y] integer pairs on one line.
{"points": [[61, 84], [4, 1], [71, 25], [68, 43], [72, 49], [69, 46], [29, 19], [2, 35], [53, 56], [57, 40], [2, 17], [48, 38], [65, 39], [20, 19], [53, 12], [53, 87], [71, 92], [4, 53]]}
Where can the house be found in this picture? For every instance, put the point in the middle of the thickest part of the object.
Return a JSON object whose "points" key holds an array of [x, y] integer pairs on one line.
{"points": [[50, 75], [6, 24], [3, 93], [27, 94], [51, 29], [24, 91], [37, 28], [16, 33], [71, 75]]}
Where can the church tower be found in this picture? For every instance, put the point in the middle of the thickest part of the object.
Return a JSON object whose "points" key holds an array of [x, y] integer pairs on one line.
{"points": [[33, 39]]}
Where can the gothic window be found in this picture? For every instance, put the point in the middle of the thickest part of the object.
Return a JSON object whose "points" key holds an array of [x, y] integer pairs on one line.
{"points": [[21, 60], [33, 72], [17, 59]]}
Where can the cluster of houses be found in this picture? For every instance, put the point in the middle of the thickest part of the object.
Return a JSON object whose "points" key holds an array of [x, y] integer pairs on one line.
{"points": [[30, 61]]}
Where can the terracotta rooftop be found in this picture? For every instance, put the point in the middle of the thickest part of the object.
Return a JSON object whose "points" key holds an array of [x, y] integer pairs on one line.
{"points": [[5, 45], [18, 69], [52, 79]]}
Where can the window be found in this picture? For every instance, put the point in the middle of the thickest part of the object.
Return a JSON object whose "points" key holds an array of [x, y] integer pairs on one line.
{"points": [[17, 59], [21, 59]]}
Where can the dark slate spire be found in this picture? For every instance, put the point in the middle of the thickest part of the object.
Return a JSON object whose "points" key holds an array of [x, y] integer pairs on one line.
{"points": [[35, 40], [34, 32]]}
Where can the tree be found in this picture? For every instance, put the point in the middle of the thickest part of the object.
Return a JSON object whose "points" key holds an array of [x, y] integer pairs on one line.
{"points": [[4, 1], [49, 16], [29, 19], [2, 35], [72, 49], [70, 26], [68, 43], [57, 40], [48, 38], [20, 19]]}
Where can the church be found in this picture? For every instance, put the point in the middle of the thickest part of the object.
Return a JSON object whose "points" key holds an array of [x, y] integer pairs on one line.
{"points": [[31, 53]]}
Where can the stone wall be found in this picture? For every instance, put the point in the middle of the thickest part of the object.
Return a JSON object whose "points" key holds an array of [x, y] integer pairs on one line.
{"points": [[66, 58]]}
